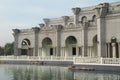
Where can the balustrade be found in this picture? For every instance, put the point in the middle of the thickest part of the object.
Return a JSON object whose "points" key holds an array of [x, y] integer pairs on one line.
{"points": [[76, 60]]}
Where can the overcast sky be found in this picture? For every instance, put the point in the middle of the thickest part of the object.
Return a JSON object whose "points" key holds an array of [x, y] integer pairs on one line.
{"points": [[24, 14]]}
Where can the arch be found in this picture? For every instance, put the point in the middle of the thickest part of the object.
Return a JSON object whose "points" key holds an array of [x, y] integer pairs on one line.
{"points": [[71, 25], [26, 50], [26, 42], [47, 41], [95, 39], [84, 19], [47, 49], [71, 40], [94, 47], [71, 44], [94, 18]]}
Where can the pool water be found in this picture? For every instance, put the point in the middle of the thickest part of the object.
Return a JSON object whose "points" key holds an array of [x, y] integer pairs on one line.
{"points": [[36, 72]]}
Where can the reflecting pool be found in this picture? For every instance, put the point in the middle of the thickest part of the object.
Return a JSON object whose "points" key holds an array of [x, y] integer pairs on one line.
{"points": [[35, 72]]}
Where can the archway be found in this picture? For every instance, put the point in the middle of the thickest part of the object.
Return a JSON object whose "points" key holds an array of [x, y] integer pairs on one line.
{"points": [[94, 49], [114, 48], [26, 50], [71, 43], [47, 49]]}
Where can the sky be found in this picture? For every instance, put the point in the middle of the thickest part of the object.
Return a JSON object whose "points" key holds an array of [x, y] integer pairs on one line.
{"points": [[25, 14]]}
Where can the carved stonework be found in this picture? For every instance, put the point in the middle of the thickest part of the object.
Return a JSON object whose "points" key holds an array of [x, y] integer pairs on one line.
{"points": [[58, 27], [41, 25], [46, 21], [76, 10], [36, 29], [16, 31], [65, 18], [85, 25], [102, 10]]}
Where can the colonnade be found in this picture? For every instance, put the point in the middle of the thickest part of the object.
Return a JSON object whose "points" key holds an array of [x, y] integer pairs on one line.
{"points": [[113, 50]]}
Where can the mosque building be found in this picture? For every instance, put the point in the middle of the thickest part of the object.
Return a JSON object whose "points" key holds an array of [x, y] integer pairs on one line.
{"points": [[90, 32]]}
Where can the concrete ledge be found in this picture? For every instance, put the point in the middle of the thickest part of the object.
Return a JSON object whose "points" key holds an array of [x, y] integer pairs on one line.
{"points": [[51, 63], [99, 67]]}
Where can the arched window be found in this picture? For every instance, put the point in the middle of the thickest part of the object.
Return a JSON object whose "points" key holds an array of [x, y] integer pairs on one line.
{"points": [[71, 25], [84, 19], [26, 42], [71, 40], [94, 19]]}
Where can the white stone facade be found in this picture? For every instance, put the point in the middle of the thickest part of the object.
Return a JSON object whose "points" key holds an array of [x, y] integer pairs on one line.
{"points": [[90, 32]]}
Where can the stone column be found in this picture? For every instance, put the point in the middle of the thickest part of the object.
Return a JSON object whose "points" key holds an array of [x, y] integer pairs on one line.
{"points": [[58, 36], [114, 50], [76, 12], [119, 48], [101, 11], [16, 35], [65, 20], [40, 51], [84, 38], [108, 49], [54, 51], [36, 48], [88, 51], [77, 51], [91, 51], [46, 22]]}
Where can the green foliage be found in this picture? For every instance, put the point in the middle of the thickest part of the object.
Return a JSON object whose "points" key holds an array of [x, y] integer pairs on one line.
{"points": [[1, 51], [9, 49]]}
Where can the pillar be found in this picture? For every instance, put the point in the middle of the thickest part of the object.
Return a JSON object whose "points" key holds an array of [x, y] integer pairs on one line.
{"points": [[76, 12], [65, 20], [108, 49], [16, 35], [36, 48], [84, 39], [46, 22], [58, 38], [90, 51], [114, 50], [40, 52], [101, 11], [119, 49], [77, 51]]}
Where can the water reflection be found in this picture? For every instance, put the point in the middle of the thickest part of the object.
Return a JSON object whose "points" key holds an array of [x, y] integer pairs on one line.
{"points": [[30, 72]]}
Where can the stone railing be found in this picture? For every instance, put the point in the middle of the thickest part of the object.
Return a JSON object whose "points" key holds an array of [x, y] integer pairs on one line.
{"points": [[86, 60], [36, 58], [76, 60], [110, 60]]}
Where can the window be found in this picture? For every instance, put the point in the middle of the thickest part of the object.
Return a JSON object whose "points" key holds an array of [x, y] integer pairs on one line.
{"points": [[74, 51], [51, 51]]}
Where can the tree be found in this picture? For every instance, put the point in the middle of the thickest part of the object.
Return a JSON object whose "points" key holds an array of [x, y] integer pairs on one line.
{"points": [[9, 49], [1, 51]]}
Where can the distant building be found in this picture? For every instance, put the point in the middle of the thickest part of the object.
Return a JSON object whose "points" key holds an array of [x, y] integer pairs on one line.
{"points": [[90, 32]]}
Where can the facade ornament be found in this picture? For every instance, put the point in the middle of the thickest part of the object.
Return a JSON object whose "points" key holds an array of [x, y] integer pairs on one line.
{"points": [[46, 21], [58, 27], [76, 10], [102, 10], [36, 29], [16, 31], [85, 25], [65, 19], [41, 25]]}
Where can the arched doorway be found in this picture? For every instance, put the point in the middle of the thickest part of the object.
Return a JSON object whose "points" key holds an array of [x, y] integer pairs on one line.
{"points": [[94, 48], [71, 43], [47, 49], [114, 48], [26, 50]]}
